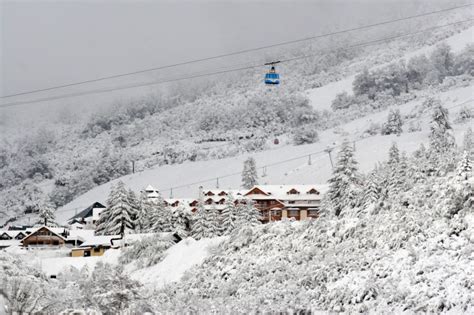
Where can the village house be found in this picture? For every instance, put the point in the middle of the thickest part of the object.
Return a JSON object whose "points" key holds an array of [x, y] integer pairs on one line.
{"points": [[94, 246], [45, 237], [88, 216], [275, 202]]}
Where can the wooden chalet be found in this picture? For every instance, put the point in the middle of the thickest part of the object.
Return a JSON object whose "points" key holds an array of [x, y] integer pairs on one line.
{"points": [[45, 237], [276, 202]]}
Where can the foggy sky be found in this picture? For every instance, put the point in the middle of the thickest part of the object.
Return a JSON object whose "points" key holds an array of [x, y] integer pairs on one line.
{"points": [[47, 43]]}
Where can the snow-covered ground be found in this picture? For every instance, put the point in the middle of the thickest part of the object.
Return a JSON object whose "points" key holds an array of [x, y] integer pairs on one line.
{"points": [[178, 259]]}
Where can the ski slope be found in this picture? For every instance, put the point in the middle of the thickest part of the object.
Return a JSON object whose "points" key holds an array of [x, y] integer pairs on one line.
{"points": [[369, 151], [321, 98]]}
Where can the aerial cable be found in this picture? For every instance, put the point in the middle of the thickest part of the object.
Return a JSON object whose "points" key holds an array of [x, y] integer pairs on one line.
{"points": [[200, 75], [239, 52]]}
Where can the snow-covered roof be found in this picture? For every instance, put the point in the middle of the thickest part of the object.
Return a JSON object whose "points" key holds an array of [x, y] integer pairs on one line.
{"points": [[13, 233], [99, 240], [150, 188], [153, 194], [55, 231], [282, 192]]}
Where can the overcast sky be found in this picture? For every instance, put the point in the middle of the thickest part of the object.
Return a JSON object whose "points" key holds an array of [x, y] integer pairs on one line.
{"points": [[47, 43]]}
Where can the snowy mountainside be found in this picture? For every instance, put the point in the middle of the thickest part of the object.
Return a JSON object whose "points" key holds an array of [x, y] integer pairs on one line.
{"points": [[369, 151], [322, 97]]}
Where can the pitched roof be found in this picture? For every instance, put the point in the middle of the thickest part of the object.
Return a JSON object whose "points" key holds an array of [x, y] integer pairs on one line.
{"points": [[281, 192], [55, 231], [87, 212], [150, 188]]}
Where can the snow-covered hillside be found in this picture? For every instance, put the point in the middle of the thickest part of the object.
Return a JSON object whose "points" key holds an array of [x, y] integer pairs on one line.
{"points": [[321, 98], [286, 164]]}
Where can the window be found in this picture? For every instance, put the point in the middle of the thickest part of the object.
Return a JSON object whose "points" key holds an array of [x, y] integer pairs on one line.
{"points": [[276, 213], [55, 242], [96, 250], [313, 213], [293, 213]]}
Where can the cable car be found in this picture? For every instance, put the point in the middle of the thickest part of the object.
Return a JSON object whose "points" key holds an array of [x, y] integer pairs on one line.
{"points": [[272, 77]]}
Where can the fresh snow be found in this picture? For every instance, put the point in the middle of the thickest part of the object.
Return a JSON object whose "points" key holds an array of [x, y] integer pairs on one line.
{"points": [[178, 259]]}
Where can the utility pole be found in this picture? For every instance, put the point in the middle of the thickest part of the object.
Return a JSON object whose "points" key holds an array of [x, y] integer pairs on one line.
{"points": [[329, 150], [133, 167], [309, 160], [217, 183], [171, 192]]}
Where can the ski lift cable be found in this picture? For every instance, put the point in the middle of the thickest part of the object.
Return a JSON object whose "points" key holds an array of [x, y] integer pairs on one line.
{"points": [[200, 75], [267, 165], [241, 51]]}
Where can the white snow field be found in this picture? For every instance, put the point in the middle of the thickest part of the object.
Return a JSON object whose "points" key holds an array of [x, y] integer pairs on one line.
{"points": [[178, 259]]}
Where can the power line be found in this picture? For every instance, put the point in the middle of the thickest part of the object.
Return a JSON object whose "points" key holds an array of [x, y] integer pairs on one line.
{"points": [[264, 167], [240, 51], [200, 75]]}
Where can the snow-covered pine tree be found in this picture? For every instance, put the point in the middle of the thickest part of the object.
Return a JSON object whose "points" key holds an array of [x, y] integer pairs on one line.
{"points": [[213, 228], [394, 123], [229, 216], [441, 139], [117, 217], [393, 165], [160, 216], [464, 168], [249, 174], [180, 223], [241, 216], [134, 205], [145, 214], [441, 142], [372, 192], [46, 214], [252, 214], [199, 226], [345, 177], [468, 142]]}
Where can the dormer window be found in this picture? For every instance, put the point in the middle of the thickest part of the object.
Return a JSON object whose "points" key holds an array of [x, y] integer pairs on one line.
{"points": [[313, 191], [222, 193], [209, 193], [293, 192]]}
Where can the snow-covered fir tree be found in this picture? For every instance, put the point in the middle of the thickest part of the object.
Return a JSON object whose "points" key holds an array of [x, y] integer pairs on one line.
{"points": [[441, 139], [199, 225], [249, 174], [180, 222], [251, 214], [345, 180], [464, 168], [134, 204], [468, 142], [160, 216], [213, 218], [229, 216], [394, 123], [46, 214], [117, 218], [145, 214], [372, 191]]}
